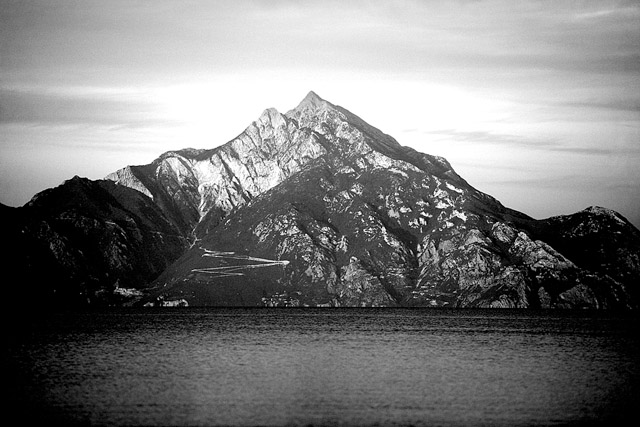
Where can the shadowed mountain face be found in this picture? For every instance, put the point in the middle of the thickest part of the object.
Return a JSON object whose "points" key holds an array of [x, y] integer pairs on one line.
{"points": [[316, 207], [87, 242]]}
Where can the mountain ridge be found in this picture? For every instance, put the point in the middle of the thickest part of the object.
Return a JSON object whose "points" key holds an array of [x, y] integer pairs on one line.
{"points": [[317, 207]]}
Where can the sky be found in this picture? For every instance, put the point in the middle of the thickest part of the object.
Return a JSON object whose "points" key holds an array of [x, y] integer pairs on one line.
{"points": [[534, 102]]}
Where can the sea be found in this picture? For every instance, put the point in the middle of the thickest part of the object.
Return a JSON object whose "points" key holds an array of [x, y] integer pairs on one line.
{"points": [[323, 366]]}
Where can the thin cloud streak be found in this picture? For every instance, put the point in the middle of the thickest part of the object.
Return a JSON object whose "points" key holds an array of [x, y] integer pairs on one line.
{"points": [[491, 138], [42, 108]]}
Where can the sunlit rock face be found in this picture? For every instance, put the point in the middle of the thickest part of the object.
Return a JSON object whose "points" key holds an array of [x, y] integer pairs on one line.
{"points": [[200, 187], [316, 207]]}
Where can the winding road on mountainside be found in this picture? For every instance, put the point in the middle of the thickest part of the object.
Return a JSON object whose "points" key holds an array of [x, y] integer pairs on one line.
{"points": [[235, 270]]}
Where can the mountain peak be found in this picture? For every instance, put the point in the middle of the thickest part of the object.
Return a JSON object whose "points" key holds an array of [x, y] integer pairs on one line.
{"points": [[273, 116], [605, 212], [312, 100], [312, 96]]}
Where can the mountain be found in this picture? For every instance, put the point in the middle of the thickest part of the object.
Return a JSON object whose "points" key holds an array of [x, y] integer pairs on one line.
{"points": [[86, 242], [316, 207]]}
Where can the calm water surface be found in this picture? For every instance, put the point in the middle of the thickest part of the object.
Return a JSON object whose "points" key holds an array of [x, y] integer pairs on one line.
{"points": [[324, 367]]}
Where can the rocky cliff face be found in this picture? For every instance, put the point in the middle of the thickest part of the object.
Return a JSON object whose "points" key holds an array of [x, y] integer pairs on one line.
{"points": [[317, 207]]}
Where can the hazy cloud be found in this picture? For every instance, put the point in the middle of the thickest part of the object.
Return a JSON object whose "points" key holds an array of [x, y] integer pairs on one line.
{"points": [[515, 141], [37, 107], [626, 104]]}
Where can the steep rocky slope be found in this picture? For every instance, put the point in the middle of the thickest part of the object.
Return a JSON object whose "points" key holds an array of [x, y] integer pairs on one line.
{"points": [[316, 207]]}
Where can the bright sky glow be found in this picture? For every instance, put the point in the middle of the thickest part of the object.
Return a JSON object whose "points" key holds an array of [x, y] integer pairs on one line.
{"points": [[536, 103]]}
